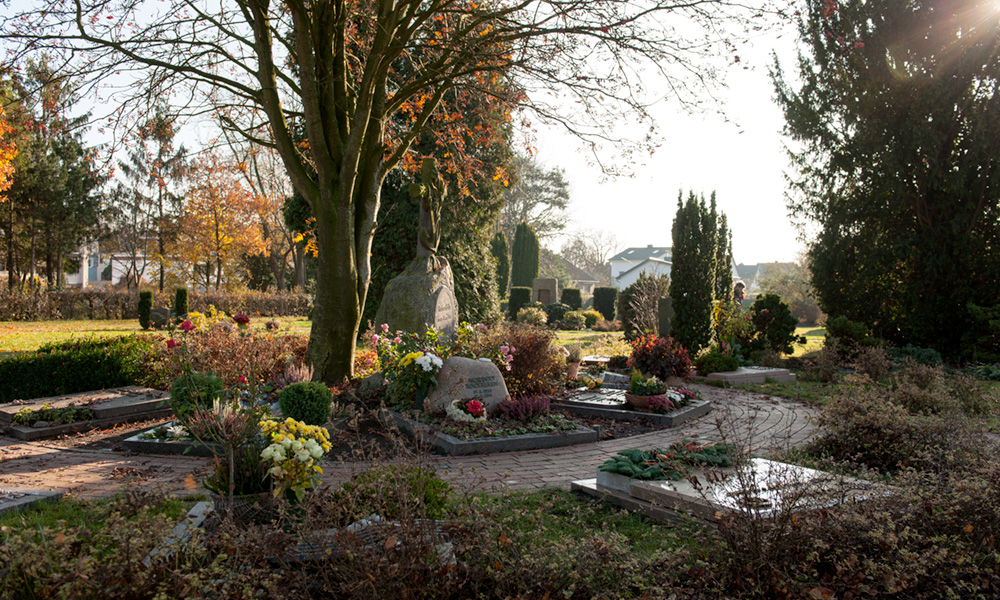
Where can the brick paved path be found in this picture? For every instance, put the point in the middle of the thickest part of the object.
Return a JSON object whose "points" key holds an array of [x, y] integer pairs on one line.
{"points": [[763, 422]]}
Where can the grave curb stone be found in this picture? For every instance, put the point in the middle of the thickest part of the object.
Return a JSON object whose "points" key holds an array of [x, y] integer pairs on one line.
{"points": [[453, 446], [30, 498], [695, 410]]}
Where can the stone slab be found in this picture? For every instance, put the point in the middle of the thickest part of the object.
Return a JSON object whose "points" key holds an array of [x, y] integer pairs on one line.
{"points": [[22, 498], [181, 533], [590, 487], [764, 488], [696, 409], [750, 375], [460, 378], [453, 446], [106, 404]]}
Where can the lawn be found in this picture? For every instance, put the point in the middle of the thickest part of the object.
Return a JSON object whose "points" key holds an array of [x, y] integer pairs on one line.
{"points": [[595, 342], [28, 336]]}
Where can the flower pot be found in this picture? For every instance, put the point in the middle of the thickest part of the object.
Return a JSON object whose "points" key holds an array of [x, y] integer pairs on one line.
{"points": [[418, 402], [636, 401], [572, 368]]}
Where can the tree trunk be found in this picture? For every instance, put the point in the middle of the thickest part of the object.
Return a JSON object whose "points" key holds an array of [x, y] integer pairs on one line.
{"points": [[278, 270], [336, 308], [60, 272], [299, 259]]}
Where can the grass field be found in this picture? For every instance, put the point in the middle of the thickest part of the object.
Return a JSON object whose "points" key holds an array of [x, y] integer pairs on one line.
{"points": [[28, 336]]}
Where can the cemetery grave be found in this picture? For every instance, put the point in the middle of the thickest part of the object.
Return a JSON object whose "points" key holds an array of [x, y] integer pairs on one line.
{"points": [[760, 487], [42, 418]]}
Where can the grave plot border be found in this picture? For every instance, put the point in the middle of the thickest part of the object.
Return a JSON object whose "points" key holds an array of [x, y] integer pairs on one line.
{"points": [[31, 497], [453, 446], [29, 434], [694, 410]]}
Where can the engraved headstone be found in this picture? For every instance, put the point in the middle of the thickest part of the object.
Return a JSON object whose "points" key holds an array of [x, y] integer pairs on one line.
{"points": [[159, 317], [461, 378]]}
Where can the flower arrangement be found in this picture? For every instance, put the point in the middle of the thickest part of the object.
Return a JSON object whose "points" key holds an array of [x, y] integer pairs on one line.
{"points": [[660, 404], [641, 386], [659, 357], [467, 409], [591, 383], [734, 327], [294, 454]]}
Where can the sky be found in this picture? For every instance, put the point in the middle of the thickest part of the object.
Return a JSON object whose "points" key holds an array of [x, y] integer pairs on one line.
{"points": [[739, 154]]}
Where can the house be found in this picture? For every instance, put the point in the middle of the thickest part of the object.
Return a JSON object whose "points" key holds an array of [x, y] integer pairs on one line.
{"points": [[580, 279], [627, 265], [101, 268]]}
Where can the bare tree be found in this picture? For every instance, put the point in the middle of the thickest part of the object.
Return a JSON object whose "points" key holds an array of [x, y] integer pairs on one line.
{"points": [[538, 197], [344, 87], [590, 250]]}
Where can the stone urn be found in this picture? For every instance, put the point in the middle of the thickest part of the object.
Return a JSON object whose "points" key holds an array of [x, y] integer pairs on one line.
{"points": [[635, 400], [572, 368]]}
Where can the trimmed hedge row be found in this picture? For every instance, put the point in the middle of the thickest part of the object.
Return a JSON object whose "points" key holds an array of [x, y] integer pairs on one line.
{"points": [[79, 366], [121, 304]]}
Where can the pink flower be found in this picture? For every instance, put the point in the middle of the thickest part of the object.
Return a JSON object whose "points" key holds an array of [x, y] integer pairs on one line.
{"points": [[241, 319], [483, 327], [187, 326], [397, 340], [171, 343], [385, 328], [505, 349], [375, 339], [241, 379]]}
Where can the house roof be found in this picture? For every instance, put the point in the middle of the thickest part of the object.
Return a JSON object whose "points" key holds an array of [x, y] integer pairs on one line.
{"points": [[640, 265], [747, 272], [641, 254], [578, 274]]}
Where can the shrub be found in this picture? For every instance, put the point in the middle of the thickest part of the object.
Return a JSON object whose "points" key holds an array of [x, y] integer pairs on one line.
{"points": [[181, 302], [525, 408], [306, 401], [851, 335], [909, 352], [903, 425], [555, 311], [536, 367], [519, 297], [222, 350], [659, 357], [981, 343], [775, 324], [79, 366], [873, 362], [145, 307], [639, 305], [575, 319], [604, 325], [591, 317], [604, 301], [618, 362], [572, 298], [194, 390], [394, 491], [715, 362], [532, 316]]}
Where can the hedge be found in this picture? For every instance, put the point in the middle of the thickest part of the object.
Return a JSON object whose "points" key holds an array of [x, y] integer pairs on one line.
{"points": [[604, 301], [519, 297], [121, 304], [77, 366]]}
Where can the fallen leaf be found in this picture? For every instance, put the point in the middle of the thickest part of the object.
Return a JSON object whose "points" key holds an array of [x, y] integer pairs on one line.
{"points": [[820, 592], [968, 528], [391, 542], [190, 483], [504, 540]]}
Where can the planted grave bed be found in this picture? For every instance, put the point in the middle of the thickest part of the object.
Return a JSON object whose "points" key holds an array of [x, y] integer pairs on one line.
{"points": [[60, 415], [499, 434], [601, 402]]}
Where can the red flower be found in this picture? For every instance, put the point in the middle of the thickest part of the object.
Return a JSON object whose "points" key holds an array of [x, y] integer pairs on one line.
{"points": [[474, 408], [171, 343], [187, 326], [241, 379], [241, 319]]}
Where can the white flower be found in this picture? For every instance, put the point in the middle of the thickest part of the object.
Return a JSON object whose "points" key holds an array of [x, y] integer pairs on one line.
{"points": [[457, 414], [177, 431], [267, 453], [303, 455], [297, 445], [287, 442], [429, 362], [316, 452]]}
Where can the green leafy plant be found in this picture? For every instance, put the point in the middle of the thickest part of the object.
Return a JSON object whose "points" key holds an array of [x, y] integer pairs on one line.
{"points": [[775, 324], [640, 386], [307, 401], [604, 301], [532, 316], [555, 311], [519, 298], [66, 414], [715, 362], [575, 320], [195, 390], [672, 463], [591, 317]]}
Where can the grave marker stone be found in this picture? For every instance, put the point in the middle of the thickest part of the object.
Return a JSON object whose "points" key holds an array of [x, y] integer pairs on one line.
{"points": [[461, 378]]}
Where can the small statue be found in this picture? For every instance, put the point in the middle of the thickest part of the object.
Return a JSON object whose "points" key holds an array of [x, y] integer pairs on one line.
{"points": [[431, 193]]}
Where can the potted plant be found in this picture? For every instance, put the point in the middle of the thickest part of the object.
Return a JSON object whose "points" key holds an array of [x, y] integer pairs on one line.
{"points": [[641, 389], [659, 357], [573, 360]]}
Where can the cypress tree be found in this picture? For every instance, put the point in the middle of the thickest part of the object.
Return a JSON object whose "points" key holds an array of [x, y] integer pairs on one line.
{"points": [[724, 261], [604, 301], [524, 257], [692, 275], [501, 252]]}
